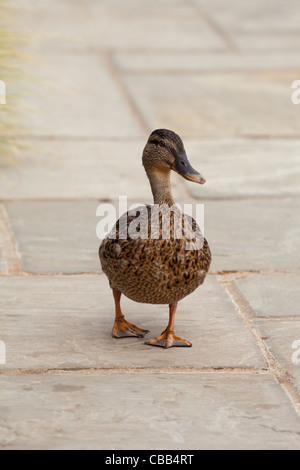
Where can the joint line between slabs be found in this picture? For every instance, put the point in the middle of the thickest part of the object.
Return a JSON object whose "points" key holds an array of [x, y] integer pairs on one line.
{"points": [[215, 27], [136, 370], [116, 75], [248, 315]]}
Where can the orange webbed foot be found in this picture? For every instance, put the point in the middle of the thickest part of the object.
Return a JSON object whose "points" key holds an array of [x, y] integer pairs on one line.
{"points": [[124, 329], [168, 339]]}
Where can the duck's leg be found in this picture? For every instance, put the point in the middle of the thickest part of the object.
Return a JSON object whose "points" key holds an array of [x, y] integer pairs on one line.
{"points": [[168, 339], [122, 328]]}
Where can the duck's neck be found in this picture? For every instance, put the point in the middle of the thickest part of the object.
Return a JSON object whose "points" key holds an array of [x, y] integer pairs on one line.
{"points": [[161, 186]]}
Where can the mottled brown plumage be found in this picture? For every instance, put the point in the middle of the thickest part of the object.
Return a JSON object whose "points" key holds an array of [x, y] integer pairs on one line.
{"points": [[156, 254]]}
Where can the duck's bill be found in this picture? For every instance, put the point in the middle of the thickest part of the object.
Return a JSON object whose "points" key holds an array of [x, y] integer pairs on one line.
{"points": [[183, 167], [195, 177]]}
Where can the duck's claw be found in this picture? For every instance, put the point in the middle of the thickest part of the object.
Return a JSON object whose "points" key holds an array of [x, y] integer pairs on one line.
{"points": [[124, 329], [169, 340]]}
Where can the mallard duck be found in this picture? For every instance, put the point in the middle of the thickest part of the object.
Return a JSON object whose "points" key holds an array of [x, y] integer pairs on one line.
{"points": [[156, 263]]}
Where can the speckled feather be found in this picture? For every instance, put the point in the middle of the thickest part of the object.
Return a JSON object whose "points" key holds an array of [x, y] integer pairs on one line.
{"points": [[157, 267]]}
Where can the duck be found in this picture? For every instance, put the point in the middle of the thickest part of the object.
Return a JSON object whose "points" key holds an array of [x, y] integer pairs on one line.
{"points": [[155, 253]]}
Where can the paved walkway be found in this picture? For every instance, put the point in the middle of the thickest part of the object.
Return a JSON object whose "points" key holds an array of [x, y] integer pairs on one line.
{"points": [[106, 73]]}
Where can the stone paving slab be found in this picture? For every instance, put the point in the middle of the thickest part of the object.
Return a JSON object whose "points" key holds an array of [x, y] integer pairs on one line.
{"points": [[56, 237], [75, 96], [245, 168], [146, 411], [111, 25], [151, 28], [283, 339], [106, 169], [50, 25], [218, 105], [180, 63], [269, 42], [273, 295], [254, 234], [173, 8], [37, 23], [87, 170], [209, 71], [61, 238], [255, 16], [66, 322], [261, 26]]}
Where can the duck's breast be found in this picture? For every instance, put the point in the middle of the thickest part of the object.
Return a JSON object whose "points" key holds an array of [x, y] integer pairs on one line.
{"points": [[155, 262]]}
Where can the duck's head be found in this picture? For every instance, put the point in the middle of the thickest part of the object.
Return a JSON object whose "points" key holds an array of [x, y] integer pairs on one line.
{"points": [[165, 151]]}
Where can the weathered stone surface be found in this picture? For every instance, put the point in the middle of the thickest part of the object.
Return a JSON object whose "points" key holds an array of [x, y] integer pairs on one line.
{"points": [[56, 237], [273, 295], [64, 169], [148, 61], [269, 25], [254, 234], [155, 30], [254, 16], [105, 170], [283, 339], [66, 322], [243, 168], [138, 411], [61, 238], [268, 42], [140, 8], [102, 75], [218, 105], [81, 100], [112, 25]]}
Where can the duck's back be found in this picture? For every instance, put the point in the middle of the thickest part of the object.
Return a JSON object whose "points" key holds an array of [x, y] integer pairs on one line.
{"points": [[155, 255]]}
